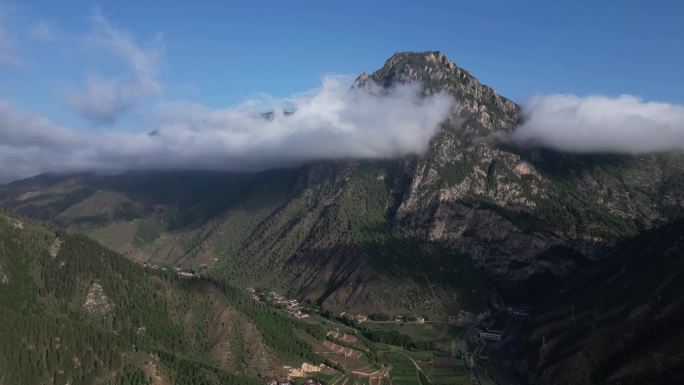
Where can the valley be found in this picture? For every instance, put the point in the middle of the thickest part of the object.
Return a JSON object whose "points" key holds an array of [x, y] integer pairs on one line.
{"points": [[169, 326]]}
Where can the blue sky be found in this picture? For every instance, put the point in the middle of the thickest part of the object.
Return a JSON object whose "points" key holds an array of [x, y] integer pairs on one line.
{"points": [[84, 74], [222, 52]]}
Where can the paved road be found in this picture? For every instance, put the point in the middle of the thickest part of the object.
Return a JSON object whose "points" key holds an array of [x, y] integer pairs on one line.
{"points": [[470, 361]]}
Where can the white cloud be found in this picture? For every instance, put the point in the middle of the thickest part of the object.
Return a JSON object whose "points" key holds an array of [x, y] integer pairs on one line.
{"points": [[332, 122], [105, 99], [30, 143], [624, 124]]}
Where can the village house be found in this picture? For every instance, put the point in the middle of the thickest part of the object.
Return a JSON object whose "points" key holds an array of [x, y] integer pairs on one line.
{"points": [[399, 318], [184, 274], [361, 318], [299, 314], [518, 313], [280, 382], [256, 295], [491, 335], [420, 320], [276, 297], [347, 315]]}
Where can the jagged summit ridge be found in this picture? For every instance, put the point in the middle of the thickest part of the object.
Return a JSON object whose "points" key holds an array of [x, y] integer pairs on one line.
{"points": [[432, 57], [438, 73], [411, 66]]}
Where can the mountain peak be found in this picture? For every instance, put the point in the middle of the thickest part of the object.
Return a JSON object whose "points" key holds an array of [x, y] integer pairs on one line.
{"points": [[431, 57], [424, 66], [438, 73]]}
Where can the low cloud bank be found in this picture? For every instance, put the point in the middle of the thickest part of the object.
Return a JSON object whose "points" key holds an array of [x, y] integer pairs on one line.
{"points": [[601, 124], [332, 122]]}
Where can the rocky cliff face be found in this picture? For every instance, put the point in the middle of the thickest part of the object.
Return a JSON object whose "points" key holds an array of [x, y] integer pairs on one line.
{"points": [[518, 212], [467, 164]]}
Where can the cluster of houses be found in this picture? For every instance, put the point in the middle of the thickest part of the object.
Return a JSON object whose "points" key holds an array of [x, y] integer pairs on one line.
{"points": [[310, 381], [257, 295], [279, 382], [179, 272], [183, 274], [293, 307]]}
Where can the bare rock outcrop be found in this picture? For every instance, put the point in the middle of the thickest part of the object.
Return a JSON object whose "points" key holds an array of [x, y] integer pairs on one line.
{"points": [[96, 301]]}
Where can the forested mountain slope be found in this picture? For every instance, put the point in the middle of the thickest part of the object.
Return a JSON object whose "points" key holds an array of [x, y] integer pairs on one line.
{"points": [[434, 233], [77, 313]]}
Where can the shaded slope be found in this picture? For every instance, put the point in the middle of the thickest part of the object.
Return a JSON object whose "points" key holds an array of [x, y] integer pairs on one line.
{"points": [[619, 322]]}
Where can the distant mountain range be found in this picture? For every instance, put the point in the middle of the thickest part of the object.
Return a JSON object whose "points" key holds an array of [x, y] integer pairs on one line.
{"points": [[472, 224]]}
